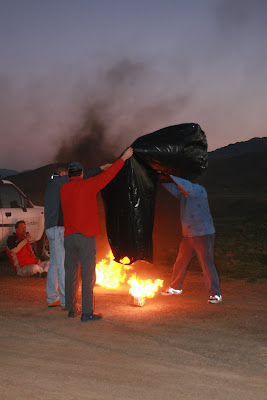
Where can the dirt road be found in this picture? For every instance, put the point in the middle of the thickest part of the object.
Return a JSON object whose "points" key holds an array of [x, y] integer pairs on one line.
{"points": [[175, 347]]}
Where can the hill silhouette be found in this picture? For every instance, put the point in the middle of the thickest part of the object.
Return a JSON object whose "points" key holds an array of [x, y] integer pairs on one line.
{"points": [[245, 173], [33, 182], [7, 172], [254, 145]]}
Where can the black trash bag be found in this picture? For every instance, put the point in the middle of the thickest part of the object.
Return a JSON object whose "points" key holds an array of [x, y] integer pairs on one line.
{"points": [[129, 199], [179, 150]]}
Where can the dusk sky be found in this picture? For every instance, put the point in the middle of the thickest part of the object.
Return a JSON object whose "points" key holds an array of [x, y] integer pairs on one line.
{"points": [[116, 70]]}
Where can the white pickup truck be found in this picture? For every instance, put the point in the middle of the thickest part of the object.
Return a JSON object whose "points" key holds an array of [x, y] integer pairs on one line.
{"points": [[15, 206]]}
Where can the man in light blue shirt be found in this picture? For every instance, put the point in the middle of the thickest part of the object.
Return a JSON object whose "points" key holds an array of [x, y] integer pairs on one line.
{"points": [[198, 237]]}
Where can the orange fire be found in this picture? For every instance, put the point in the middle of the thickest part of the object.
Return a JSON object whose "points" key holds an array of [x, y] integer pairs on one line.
{"points": [[143, 288], [109, 273]]}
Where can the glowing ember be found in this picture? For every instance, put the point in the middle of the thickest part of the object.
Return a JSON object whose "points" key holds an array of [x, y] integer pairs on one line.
{"points": [[143, 288], [124, 260], [109, 273]]}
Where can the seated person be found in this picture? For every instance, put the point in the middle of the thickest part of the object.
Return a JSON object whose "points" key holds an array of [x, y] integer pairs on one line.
{"points": [[21, 255]]}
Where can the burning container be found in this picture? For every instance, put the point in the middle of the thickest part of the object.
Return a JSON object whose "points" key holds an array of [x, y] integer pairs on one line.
{"points": [[138, 301]]}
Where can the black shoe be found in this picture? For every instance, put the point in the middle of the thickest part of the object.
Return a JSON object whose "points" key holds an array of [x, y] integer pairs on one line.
{"points": [[73, 314], [37, 275], [43, 274], [91, 317]]}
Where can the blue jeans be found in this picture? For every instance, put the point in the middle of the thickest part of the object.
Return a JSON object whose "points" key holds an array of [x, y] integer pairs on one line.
{"points": [[55, 284]]}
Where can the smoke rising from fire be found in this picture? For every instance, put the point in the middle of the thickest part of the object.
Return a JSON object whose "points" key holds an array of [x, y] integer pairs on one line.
{"points": [[88, 144], [113, 115]]}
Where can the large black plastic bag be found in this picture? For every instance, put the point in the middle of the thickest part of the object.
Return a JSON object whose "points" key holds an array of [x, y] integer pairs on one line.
{"points": [[179, 150], [129, 199], [129, 207]]}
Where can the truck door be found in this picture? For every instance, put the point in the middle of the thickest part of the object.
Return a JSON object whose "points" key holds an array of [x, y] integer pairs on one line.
{"points": [[14, 208]]}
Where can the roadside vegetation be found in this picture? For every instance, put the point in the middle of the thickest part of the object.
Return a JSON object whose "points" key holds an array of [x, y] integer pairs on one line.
{"points": [[240, 250]]}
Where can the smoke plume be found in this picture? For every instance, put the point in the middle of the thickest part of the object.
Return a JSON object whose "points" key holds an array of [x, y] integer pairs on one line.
{"points": [[112, 114]]}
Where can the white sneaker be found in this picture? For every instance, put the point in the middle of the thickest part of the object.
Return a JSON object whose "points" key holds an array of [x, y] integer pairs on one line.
{"points": [[215, 299], [170, 291]]}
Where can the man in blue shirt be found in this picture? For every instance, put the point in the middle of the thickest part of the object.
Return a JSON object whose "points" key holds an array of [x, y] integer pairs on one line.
{"points": [[198, 237]]}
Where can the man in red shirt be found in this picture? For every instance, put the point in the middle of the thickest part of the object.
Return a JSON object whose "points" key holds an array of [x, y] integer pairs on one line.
{"points": [[21, 255], [79, 206]]}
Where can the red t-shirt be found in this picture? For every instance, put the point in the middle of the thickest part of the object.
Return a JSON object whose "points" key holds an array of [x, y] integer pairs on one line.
{"points": [[79, 201], [20, 252]]}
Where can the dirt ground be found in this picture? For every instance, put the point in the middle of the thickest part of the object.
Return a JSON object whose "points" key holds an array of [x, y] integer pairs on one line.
{"points": [[175, 347]]}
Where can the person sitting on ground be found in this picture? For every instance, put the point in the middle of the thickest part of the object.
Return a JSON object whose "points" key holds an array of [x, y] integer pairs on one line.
{"points": [[21, 255]]}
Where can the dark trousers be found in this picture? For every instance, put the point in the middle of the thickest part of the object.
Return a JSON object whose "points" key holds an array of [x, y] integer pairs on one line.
{"points": [[203, 248], [79, 250]]}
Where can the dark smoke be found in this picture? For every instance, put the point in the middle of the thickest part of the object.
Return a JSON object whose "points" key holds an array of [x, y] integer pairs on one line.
{"points": [[88, 144], [115, 114], [93, 141]]}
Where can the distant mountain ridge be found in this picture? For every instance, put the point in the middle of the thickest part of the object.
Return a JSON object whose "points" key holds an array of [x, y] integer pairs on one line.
{"points": [[237, 168], [255, 145], [7, 172], [33, 182]]}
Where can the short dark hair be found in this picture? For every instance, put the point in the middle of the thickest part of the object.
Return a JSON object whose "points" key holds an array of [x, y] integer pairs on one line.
{"points": [[75, 173], [60, 169], [19, 222], [75, 169]]}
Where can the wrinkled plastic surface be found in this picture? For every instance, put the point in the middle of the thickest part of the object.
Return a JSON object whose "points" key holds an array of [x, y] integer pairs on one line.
{"points": [[129, 199], [179, 150]]}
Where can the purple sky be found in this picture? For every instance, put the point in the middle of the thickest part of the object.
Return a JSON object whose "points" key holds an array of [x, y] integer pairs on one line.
{"points": [[136, 66]]}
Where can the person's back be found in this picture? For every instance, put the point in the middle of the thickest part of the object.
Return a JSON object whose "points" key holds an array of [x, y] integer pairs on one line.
{"points": [[55, 285], [79, 201], [52, 200], [79, 205], [196, 218]]}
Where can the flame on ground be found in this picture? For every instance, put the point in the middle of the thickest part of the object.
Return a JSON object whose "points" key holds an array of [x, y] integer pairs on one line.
{"points": [[111, 274], [144, 288]]}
